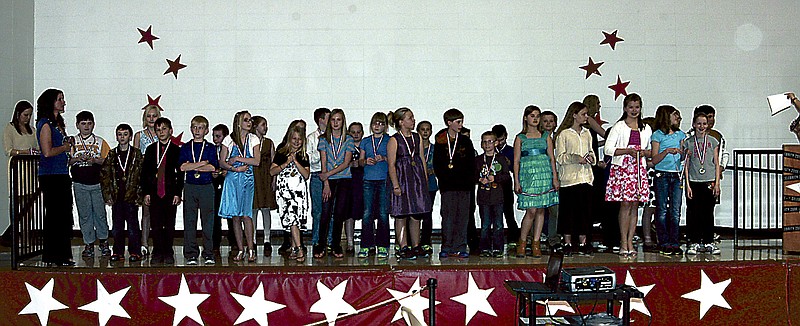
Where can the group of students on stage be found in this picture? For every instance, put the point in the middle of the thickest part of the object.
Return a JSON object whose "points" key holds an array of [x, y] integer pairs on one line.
{"points": [[336, 175]]}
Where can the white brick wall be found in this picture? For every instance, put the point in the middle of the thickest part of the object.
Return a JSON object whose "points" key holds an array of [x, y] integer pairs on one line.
{"points": [[282, 59]]}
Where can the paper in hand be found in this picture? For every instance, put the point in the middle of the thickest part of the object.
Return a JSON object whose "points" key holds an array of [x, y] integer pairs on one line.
{"points": [[778, 103]]}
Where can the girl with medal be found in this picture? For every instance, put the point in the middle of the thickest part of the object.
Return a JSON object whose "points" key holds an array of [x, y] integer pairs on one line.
{"points": [[141, 140], [409, 178], [264, 195], [628, 142], [336, 151], [702, 172], [355, 130], [241, 151], [291, 170], [535, 178], [425, 130], [376, 191], [667, 147], [575, 157]]}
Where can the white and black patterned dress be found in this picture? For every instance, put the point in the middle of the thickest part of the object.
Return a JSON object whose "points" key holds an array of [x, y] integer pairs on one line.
{"points": [[291, 192]]}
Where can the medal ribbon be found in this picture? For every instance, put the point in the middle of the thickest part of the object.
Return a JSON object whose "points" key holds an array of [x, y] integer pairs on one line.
{"points": [[452, 151], [410, 152], [701, 153]]}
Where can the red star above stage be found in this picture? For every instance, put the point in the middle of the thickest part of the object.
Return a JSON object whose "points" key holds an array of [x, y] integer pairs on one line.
{"points": [[619, 88], [151, 101], [147, 36], [174, 66], [611, 39], [592, 68]]}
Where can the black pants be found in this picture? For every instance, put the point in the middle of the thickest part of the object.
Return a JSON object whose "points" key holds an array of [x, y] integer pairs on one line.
{"points": [[57, 193], [512, 234], [575, 210], [700, 222], [336, 209], [122, 213], [473, 234], [607, 212], [427, 224], [162, 225]]}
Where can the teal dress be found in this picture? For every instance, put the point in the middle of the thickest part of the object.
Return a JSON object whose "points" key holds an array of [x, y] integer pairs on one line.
{"points": [[535, 174]]}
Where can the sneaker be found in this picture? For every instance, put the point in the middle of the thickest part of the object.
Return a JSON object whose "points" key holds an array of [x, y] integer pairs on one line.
{"points": [[420, 252], [677, 251], [116, 258], [693, 249], [134, 258], [397, 250], [650, 247], [486, 253], [567, 249], [444, 254], [428, 250], [407, 253], [461, 254], [363, 253], [664, 250], [382, 253], [713, 249], [104, 249], [497, 253], [88, 251], [191, 261], [585, 249], [210, 261]]}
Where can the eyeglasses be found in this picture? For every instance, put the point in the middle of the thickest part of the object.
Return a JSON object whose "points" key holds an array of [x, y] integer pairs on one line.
{"points": [[488, 141]]}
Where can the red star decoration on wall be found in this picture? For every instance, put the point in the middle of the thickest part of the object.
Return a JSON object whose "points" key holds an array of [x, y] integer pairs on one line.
{"points": [[174, 66], [611, 39], [147, 36], [177, 140], [619, 88], [592, 68], [151, 101]]}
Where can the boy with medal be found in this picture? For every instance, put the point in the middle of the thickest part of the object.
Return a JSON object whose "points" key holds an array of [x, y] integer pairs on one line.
{"points": [[119, 177], [198, 159], [454, 163], [492, 168], [162, 184]]}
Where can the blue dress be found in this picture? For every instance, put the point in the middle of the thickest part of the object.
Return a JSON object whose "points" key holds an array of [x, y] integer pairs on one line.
{"points": [[239, 187], [535, 174]]}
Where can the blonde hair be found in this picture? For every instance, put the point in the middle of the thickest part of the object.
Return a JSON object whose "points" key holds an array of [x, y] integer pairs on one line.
{"points": [[146, 110], [199, 119], [395, 116]]}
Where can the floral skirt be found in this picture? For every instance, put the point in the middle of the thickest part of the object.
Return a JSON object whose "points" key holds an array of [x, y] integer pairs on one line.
{"points": [[628, 182]]}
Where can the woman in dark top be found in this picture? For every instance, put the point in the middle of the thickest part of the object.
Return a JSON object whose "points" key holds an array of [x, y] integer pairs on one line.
{"points": [[54, 178]]}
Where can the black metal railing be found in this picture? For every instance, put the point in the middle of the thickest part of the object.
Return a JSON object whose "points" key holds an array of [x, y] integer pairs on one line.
{"points": [[26, 208], [757, 193]]}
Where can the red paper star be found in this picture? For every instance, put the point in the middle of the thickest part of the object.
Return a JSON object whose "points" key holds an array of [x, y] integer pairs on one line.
{"points": [[147, 36], [592, 68], [619, 88], [174, 66], [178, 140], [151, 101], [611, 39]]}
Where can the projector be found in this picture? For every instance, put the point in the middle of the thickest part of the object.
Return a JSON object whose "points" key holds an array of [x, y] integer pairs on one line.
{"points": [[585, 279]]}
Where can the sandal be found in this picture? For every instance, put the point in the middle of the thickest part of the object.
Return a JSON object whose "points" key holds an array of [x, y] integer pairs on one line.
{"points": [[293, 252], [251, 256], [239, 256], [301, 256], [337, 252], [319, 251]]}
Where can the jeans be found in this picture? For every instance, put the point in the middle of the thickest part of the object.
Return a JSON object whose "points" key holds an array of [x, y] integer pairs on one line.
{"points": [[491, 227], [668, 207], [91, 212], [316, 209], [376, 193]]}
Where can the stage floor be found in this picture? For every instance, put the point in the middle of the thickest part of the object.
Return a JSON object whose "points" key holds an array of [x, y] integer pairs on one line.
{"points": [[748, 250]]}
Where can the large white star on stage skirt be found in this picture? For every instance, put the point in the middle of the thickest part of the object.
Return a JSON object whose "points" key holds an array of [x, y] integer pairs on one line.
{"points": [[331, 302], [411, 303], [256, 307], [475, 300], [42, 302], [107, 305], [709, 294], [637, 303], [185, 303]]}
